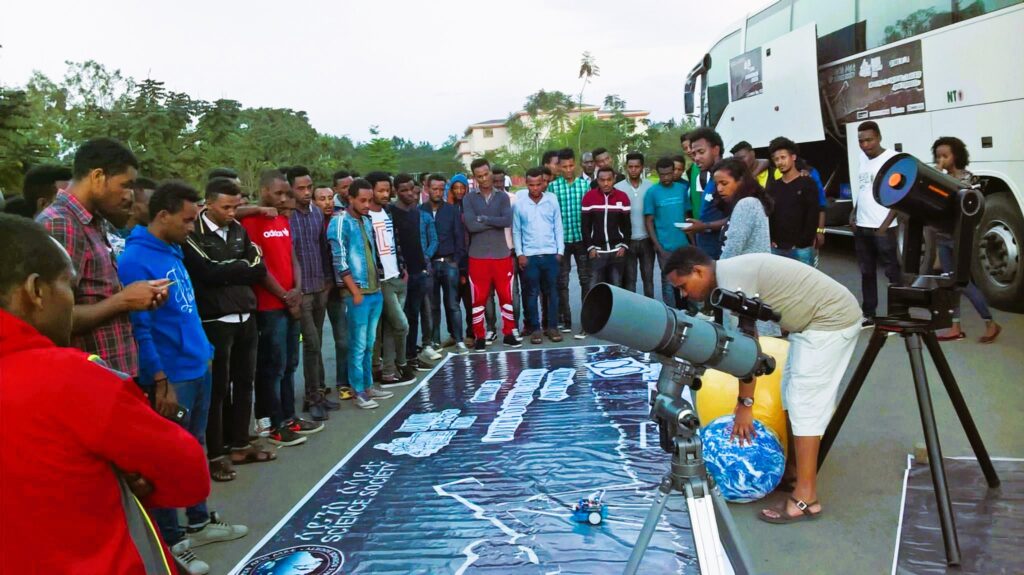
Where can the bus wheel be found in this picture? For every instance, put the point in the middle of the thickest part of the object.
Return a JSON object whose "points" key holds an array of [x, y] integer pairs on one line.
{"points": [[998, 269]]}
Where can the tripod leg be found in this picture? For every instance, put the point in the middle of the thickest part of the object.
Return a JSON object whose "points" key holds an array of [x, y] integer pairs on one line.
{"points": [[734, 549], [650, 524], [878, 338], [931, 438], [966, 421]]}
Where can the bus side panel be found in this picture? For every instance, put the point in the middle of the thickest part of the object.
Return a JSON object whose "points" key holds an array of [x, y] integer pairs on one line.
{"points": [[789, 105], [975, 63]]}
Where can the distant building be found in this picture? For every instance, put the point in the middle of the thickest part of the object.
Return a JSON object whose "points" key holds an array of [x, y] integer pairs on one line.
{"points": [[483, 137]]}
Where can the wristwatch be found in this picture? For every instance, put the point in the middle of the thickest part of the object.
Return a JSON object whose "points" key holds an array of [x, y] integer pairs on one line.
{"points": [[745, 401]]}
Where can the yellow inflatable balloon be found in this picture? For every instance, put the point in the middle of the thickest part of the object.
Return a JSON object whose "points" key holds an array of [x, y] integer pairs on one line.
{"points": [[717, 397]]}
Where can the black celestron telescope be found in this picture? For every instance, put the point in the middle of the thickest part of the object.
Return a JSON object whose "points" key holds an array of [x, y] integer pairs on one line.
{"points": [[921, 306], [685, 345]]}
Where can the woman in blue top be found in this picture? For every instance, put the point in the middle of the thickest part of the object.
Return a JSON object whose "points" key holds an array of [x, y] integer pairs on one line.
{"points": [[747, 207]]}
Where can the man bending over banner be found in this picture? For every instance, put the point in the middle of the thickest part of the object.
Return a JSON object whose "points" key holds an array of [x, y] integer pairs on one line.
{"points": [[823, 321]]}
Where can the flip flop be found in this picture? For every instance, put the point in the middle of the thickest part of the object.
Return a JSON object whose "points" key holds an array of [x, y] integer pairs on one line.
{"points": [[990, 339], [783, 517], [253, 454]]}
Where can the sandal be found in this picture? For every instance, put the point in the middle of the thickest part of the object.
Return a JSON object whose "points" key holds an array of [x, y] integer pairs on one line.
{"points": [[220, 469], [990, 339], [957, 337], [805, 512], [252, 454]]}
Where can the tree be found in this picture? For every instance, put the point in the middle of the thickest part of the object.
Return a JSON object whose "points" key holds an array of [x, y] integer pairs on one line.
{"points": [[588, 70]]}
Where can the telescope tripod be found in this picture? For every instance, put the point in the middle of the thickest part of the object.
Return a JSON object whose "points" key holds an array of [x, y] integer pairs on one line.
{"points": [[710, 519], [913, 334]]}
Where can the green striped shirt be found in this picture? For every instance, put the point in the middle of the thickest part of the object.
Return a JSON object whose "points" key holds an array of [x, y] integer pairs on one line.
{"points": [[570, 202]]}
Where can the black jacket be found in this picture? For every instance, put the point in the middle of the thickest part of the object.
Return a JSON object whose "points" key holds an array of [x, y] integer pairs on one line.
{"points": [[223, 272]]}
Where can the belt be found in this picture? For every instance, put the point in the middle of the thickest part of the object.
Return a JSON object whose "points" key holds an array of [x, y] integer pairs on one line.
{"points": [[444, 259]]}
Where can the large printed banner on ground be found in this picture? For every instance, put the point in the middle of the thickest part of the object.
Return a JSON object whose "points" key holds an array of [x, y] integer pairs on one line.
{"points": [[478, 470]]}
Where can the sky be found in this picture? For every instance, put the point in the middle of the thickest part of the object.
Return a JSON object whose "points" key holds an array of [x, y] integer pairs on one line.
{"points": [[418, 70]]}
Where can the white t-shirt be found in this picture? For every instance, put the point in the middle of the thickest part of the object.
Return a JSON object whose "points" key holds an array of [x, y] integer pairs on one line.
{"points": [[636, 200], [870, 214], [384, 234]]}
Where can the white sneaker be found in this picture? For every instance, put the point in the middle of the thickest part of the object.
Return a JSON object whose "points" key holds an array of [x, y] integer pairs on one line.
{"points": [[461, 349], [362, 403], [437, 349], [217, 530], [515, 334], [378, 393], [187, 560], [492, 336], [430, 353], [263, 427]]}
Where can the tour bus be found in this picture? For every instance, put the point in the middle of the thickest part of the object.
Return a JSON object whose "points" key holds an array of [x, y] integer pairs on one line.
{"points": [[811, 70]]}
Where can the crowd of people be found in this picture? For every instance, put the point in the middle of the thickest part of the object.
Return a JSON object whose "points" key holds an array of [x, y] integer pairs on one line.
{"points": [[203, 302]]}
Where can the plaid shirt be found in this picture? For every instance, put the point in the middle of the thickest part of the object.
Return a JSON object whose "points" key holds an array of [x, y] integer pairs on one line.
{"points": [[84, 236], [570, 201], [311, 249]]}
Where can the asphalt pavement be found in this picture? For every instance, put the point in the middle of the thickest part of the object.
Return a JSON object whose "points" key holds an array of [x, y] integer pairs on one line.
{"points": [[860, 483]]}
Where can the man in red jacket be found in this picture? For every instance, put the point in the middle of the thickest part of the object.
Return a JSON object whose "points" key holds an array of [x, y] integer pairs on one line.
{"points": [[72, 466]]}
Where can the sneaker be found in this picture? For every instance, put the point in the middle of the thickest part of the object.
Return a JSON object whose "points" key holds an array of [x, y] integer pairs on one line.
{"points": [[492, 336], [216, 530], [345, 392], [329, 403], [511, 341], [581, 335], [461, 349], [515, 334], [377, 393], [480, 345], [408, 371], [867, 322], [263, 427], [313, 405], [405, 376], [187, 560], [565, 328], [554, 335], [419, 365], [303, 427], [366, 403], [438, 348], [430, 353], [285, 437]]}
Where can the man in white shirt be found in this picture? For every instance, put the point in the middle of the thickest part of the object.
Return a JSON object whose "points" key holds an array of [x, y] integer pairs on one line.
{"points": [[641, 250], [874, 226]]}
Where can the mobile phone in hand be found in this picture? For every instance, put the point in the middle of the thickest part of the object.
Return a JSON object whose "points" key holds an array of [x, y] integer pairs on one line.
{"points": [[180, 414]]}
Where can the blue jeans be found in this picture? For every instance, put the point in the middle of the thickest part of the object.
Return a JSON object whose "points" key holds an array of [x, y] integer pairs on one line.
{"points": [[541, 275], [446, 283], [944, 245], [805, 255], [668, 291], [339, 329], [415, 294], [276, 361], [193, 395], [606, 268], [362, 333]]}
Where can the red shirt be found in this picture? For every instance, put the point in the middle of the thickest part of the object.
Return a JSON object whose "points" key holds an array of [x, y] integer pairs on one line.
{"points": [[67, 424], [274, 238]]}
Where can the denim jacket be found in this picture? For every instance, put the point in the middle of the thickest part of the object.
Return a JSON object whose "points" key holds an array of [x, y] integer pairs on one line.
{"points": [[348, 257]]}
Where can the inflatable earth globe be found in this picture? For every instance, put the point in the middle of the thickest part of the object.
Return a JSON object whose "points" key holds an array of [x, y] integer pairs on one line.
{"points": [[744, 473]]}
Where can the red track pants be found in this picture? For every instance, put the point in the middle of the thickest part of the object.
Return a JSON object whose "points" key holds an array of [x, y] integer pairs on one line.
{"points": [[483, 275]]}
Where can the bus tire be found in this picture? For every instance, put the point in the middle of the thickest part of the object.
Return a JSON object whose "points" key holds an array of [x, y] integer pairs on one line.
{"points": [[997, 267]]}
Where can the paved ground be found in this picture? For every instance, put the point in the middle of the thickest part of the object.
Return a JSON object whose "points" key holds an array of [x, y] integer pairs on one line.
{"points": [[860, 484]]}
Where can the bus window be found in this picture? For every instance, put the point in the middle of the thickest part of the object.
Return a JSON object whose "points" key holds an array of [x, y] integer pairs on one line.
{"points": [[718, 75], [767, 25], [967, 9], [889, 21], [829, 16]]}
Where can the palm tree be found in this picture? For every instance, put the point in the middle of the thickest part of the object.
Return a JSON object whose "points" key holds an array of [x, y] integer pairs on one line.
{"points": [[588, 70]]}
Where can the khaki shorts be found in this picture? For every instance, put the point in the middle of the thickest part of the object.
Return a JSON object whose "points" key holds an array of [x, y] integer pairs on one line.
{"points": [[814, 369]]}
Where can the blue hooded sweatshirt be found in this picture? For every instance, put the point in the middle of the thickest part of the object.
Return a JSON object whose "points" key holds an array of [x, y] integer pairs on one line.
{"points": [[456, 178], [171, 338]]}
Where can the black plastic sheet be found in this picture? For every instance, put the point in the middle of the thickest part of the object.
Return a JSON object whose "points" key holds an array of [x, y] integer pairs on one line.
{"points": [[446, 493], [989, 522]]}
